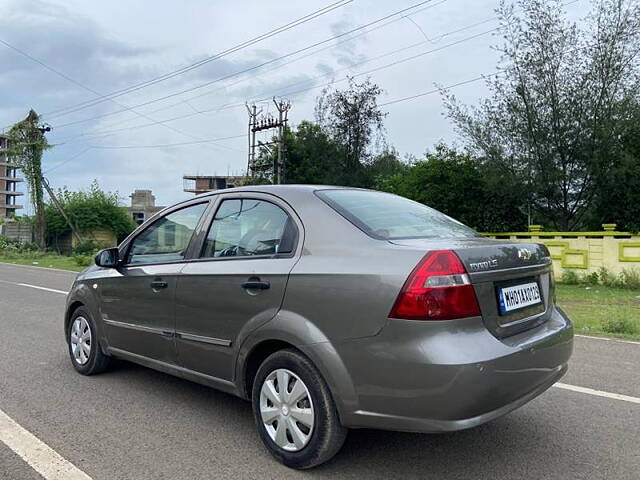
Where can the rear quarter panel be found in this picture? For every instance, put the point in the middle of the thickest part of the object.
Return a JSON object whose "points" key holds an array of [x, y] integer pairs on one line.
{"points": [[349, 294]]}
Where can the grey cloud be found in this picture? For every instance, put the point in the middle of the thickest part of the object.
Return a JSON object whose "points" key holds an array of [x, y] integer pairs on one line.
{"points": [[67, 42]]}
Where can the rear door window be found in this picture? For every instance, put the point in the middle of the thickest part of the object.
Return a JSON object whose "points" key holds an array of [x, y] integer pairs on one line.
{"points": [[248, 227], [386, 216]]}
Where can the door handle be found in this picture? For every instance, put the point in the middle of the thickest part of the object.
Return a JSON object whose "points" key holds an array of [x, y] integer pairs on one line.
{"points": [[256, 285], [158, 284]]}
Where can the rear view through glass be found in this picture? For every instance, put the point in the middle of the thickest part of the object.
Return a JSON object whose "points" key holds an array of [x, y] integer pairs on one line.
{"points": [[386, 216]]}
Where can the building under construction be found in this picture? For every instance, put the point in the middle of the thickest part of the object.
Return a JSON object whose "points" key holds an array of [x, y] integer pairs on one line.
{"points": [[207, 183], [143, 205], [8, 183]]}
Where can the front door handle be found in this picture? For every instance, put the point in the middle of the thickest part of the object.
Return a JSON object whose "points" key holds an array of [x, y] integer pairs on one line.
{"points": [[158, 284], [256, 285]]}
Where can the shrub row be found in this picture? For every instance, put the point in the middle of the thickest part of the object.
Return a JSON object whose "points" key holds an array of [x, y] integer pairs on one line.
{"points": [[627, 278]]}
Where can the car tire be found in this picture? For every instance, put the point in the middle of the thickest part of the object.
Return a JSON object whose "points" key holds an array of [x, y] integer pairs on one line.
{"points": [[82, 342], [326, 435]]}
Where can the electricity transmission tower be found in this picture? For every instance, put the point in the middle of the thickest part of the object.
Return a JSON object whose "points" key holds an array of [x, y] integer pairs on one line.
{"points": [[258, 123]]}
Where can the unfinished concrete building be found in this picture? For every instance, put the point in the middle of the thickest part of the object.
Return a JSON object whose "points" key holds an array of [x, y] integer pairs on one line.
{"points": [[9, 181], [207, 183], [143, 205]]}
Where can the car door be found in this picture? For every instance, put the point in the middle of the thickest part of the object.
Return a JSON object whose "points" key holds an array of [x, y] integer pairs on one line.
{"points": [[251, 245], [137, 304]]}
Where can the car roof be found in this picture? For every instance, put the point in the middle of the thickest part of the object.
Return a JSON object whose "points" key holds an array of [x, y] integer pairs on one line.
{"points": [[275, 188], [286, 191]]}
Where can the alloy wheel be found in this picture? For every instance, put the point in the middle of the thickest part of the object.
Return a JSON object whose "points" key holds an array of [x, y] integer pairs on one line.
{"points": [[286, 409]]}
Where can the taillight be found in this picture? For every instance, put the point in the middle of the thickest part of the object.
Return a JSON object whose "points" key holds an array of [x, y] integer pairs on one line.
{"points": [[438, 289]]}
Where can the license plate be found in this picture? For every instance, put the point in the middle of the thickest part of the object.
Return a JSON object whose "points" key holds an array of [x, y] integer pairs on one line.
{"points": [[518, 296]]}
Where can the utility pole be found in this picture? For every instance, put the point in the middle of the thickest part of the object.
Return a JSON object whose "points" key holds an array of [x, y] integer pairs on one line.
{"points": [[253, 122], [258, 123], [45, 128], [54, 199], [283, 110]]}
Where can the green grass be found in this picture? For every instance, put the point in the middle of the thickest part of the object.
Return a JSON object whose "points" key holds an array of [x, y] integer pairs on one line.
{"points": [[599, 310], [47, 260]]}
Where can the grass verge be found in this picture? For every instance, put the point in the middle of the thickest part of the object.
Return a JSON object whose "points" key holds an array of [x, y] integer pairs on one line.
{"points": [[600, 310], [47, 260]]}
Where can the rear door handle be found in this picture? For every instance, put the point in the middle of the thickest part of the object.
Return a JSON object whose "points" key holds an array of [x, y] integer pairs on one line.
{"points": [[158, 284], [256, 285]]}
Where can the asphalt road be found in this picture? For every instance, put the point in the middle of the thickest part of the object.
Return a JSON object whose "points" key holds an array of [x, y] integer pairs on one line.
{"points": [[135, 423]]}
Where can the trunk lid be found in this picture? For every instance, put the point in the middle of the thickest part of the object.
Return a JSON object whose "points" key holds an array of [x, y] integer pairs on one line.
{"points": [[507, 277]]}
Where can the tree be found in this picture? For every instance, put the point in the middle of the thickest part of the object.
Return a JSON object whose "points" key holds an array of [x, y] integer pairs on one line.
{"points": [[555, 115], [385, 165], [617, 198], [463, 187], [353, 119], [26, 143], [312, 157], [89, 210]]}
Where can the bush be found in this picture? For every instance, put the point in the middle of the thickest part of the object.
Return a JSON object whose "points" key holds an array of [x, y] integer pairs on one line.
{"points": [[90, 210], [624, 325], [630, 278], [606, 278], [9, 246], [592, 278], [4, 241], [570, 277], [87, 247], [83, 260]]}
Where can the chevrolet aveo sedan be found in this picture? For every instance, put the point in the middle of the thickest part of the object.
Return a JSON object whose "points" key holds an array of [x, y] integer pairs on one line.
{"points": [[328, 308]]}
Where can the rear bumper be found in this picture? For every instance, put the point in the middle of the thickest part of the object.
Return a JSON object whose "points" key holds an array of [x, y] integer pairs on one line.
{"points": [[449, 375]]}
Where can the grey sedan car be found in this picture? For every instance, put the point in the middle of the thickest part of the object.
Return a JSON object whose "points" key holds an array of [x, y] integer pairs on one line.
{"points": [[328, 308]]}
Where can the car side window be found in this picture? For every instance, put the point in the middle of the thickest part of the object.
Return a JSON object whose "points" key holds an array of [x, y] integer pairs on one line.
{"points": [[248, 227], [166, 240]]}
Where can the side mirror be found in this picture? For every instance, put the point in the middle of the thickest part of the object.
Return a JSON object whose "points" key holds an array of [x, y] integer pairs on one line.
{"points": [[108, 258]]}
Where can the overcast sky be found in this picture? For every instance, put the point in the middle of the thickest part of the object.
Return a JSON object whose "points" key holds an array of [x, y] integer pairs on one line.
{"points": [[109, 46]]}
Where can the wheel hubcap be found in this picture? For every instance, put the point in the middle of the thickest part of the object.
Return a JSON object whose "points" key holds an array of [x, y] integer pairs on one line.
{"points": [[80, 340], [287, 410]]}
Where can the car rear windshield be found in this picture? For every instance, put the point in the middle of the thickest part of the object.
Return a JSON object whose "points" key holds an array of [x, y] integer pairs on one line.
{"points": [[386, 216]]}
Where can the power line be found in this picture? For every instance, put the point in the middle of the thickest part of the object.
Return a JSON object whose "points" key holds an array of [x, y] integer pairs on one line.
{"points": [[433, 91], [410, 97], [437, 90], [313, 87], [75, 82], [277, 67], [48, 67], [167, 145], [255, 67], [309, 54], [240, 104], [180, 71], [68, 160], [458, 84], [110, 97], [403, 99], [388, 65]]}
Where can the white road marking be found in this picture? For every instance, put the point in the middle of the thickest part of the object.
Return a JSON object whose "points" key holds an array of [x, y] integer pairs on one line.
{"points": [[597, 393], [44, 460], [607, 339], [42, 288]]}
